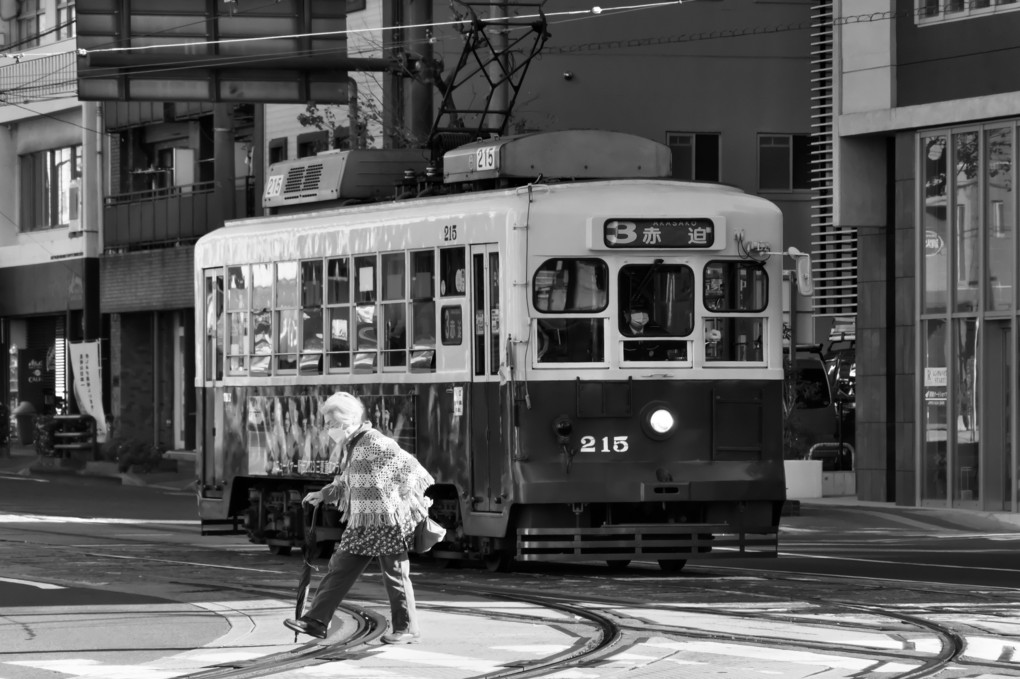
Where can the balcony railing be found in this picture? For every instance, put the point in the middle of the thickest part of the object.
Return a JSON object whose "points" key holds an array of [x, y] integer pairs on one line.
{"points": [[177, 215]]}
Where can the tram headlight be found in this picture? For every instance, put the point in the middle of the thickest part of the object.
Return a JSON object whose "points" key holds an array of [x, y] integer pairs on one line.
{"points": [[658, 420], [661, 421]]}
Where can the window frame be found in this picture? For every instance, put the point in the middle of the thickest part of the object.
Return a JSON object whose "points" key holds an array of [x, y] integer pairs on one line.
{"points": [[44, 205], [697, 142], [928, 12], [29, 12], [600, 268], [791, 185], [66, 19]]}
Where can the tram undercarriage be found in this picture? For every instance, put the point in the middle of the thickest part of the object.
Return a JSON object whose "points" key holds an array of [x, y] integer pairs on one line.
{"points": [[617, 533]]}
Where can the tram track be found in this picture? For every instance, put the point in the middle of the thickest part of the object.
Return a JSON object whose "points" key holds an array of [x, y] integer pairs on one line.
{"points": [[603, 628]]}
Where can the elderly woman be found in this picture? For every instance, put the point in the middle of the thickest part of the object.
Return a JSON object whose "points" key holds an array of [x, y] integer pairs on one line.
{"points": [[381, 494]]}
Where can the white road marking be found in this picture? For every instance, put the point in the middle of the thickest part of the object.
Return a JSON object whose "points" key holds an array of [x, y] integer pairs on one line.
{"points": [[431, 658], [84, 667], [763, 653], [900, 563], [42, 518], [32, 583], [19, 477], [990, 648]]}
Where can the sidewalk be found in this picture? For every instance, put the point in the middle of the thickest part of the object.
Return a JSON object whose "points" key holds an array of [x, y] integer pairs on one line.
{"points": [[975, 519], [24, 461]]}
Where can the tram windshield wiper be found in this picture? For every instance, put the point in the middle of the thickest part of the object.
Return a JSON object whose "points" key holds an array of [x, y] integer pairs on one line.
{"points": [[635, 294]]}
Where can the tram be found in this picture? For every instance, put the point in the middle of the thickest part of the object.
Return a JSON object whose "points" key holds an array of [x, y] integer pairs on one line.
{"points": [[585, 354]]}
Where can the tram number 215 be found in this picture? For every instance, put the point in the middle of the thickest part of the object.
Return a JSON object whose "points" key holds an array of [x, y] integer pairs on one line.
{"points": [[606, 444]]}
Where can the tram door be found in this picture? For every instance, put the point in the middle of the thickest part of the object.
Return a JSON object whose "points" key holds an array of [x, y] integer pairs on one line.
{"points": [[486, 425], [211, 407]]}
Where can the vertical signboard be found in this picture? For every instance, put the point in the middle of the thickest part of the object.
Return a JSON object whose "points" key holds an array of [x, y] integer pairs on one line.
{"points": [[88, 384]]}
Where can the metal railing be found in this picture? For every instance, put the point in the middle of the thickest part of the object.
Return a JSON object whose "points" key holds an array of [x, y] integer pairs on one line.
{"points": [[171, 216]]}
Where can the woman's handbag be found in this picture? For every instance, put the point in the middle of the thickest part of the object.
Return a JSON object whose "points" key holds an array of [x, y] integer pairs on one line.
{"points": [[427, 534]]}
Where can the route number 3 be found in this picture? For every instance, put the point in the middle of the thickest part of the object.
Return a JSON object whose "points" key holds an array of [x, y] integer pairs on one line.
{"points": [[609, 444]]}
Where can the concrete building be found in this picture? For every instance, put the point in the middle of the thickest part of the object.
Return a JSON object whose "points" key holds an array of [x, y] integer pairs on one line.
{"points": [[925, 113], [727, 85]]}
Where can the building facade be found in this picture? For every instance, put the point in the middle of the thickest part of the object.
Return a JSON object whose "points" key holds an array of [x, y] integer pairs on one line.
{"points": [[924, 164], [725, 84]]}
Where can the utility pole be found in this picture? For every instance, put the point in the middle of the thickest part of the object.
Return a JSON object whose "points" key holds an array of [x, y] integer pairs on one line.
{"points": [[419, 43], [499, 105]]}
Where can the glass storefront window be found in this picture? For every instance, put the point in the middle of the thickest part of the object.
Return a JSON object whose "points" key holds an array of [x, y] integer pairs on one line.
{"points": [[1000, 218], [935, 453], [935, 263], [966, 411], [966, 220]]}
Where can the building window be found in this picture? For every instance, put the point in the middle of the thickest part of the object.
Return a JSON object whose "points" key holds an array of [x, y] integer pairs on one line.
{"points": [[695, 156], [311, 143], [784, 162], [46, 178], [65, 19], [937, 11], [29, 23], [355, 5], [277, 150]]}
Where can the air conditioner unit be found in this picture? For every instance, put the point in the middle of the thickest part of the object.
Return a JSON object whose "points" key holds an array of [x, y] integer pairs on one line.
{"points": [[356, 175], [74, 208]]}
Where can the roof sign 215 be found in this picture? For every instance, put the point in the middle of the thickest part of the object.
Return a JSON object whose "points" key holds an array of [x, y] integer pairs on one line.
{"points": [[687, 232]]}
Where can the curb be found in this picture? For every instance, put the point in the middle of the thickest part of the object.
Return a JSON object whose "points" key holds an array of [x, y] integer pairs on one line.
{"points": [[101, 470]]}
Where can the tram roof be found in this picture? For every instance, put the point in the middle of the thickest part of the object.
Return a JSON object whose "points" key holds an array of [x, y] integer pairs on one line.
{"points": [[272, 232], [559, 154]]}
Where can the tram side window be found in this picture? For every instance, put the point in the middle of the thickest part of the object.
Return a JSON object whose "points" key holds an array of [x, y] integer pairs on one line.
{"points": [[366, 320], [570, 286], [734, 339], [338, 301], [311, 318], [287, 314], [423, 311], [394, 310], [238, 336], [735, 286], [214, 324], [452, 272], [571, 340], [261, 318]]}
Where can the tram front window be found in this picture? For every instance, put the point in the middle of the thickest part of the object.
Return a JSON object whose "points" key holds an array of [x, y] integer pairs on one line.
{"points": [[656, 310], [573, 289]]}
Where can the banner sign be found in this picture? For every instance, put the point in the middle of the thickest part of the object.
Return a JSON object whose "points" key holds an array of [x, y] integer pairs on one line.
{"points": [[88, 385]]}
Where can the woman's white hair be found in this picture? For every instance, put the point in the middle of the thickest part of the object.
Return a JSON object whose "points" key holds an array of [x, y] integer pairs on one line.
{"points": [[348, 408]]}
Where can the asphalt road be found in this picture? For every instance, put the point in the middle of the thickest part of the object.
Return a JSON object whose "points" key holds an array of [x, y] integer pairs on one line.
{"points": [[106, 580]]}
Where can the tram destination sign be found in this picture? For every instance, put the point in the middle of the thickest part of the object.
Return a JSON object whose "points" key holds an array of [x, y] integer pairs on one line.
{"points": [[680, 232]]}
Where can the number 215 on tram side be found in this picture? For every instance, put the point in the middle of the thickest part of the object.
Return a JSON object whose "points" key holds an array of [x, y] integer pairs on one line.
{"points": [[591, 367]]}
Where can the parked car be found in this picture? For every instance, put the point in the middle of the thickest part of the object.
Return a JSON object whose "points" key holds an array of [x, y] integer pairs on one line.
{"points": [[811, 410]]}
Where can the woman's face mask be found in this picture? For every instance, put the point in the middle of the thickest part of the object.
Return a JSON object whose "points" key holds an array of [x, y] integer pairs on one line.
{"points": [[340, 433]]}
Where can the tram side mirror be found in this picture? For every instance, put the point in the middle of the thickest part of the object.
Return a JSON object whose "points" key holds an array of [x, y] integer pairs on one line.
{"points": [[805, 284]]}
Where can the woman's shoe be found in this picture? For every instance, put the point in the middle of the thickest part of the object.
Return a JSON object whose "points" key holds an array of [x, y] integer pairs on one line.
{"points": [[307, 626], [401, 638]]}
